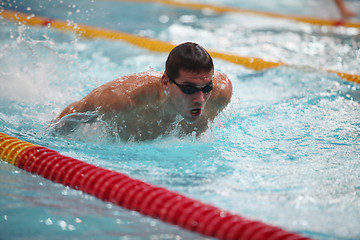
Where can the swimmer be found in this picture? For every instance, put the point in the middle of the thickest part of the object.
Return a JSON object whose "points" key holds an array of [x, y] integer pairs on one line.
{"points": [[143, 106]]}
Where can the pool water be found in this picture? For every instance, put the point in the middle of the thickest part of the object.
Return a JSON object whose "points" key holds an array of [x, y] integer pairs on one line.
{"points": [[285, 151]]}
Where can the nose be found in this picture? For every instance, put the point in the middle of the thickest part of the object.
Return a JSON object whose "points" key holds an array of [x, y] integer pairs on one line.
{"points": [[199, 97]]}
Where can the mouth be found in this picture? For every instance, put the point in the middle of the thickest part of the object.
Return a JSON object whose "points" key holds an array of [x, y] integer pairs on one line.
{"points": [[195, 112]]}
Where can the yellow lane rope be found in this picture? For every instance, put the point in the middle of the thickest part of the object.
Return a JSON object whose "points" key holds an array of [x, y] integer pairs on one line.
{"points": [[225, 9], [147, 43], [11, 148]]}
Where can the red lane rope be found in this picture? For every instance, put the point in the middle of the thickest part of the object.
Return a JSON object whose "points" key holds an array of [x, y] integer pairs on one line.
{"points": [[133, 194]]}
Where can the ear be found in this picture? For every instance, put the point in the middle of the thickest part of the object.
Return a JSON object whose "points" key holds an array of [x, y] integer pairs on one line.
{"points": [[165, 81]]}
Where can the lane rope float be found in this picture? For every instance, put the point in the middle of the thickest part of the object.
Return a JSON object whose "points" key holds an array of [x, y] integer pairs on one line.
{"points": [[148, 43], [227, 9], [136, 195]]}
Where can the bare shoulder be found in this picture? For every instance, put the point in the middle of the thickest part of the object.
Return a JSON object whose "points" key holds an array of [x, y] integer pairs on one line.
{"points": [[222, 88], [220, 96], [127, 92]]}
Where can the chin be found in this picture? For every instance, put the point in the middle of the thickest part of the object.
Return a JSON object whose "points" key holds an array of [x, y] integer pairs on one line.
{"points": [[191, 119]]}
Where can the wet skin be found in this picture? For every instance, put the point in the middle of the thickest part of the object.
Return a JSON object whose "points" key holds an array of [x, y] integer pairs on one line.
{"points": [[146, 105]]}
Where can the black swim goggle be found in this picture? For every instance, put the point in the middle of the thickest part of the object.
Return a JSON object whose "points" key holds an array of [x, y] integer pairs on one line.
{"points": [[190, 89]]}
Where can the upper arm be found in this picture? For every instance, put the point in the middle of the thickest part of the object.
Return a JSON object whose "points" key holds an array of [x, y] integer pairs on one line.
{"points": [[78, 106], [101, 99]]}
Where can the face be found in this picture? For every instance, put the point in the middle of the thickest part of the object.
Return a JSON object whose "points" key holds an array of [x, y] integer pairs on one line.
{"points": [[185, 100]]}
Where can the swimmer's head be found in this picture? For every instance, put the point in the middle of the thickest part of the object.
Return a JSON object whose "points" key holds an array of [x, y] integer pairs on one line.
{"points": [[189, 57]]}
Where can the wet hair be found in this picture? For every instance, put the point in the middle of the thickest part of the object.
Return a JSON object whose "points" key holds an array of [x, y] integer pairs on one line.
{"points": [[189, 57]]}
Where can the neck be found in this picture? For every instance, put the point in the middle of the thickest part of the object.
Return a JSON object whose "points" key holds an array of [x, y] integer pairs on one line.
{"points": [[168, 111]]}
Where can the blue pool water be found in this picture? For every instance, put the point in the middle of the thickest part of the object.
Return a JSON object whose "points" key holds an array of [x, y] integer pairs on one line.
{"points": [[285, 151]]}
